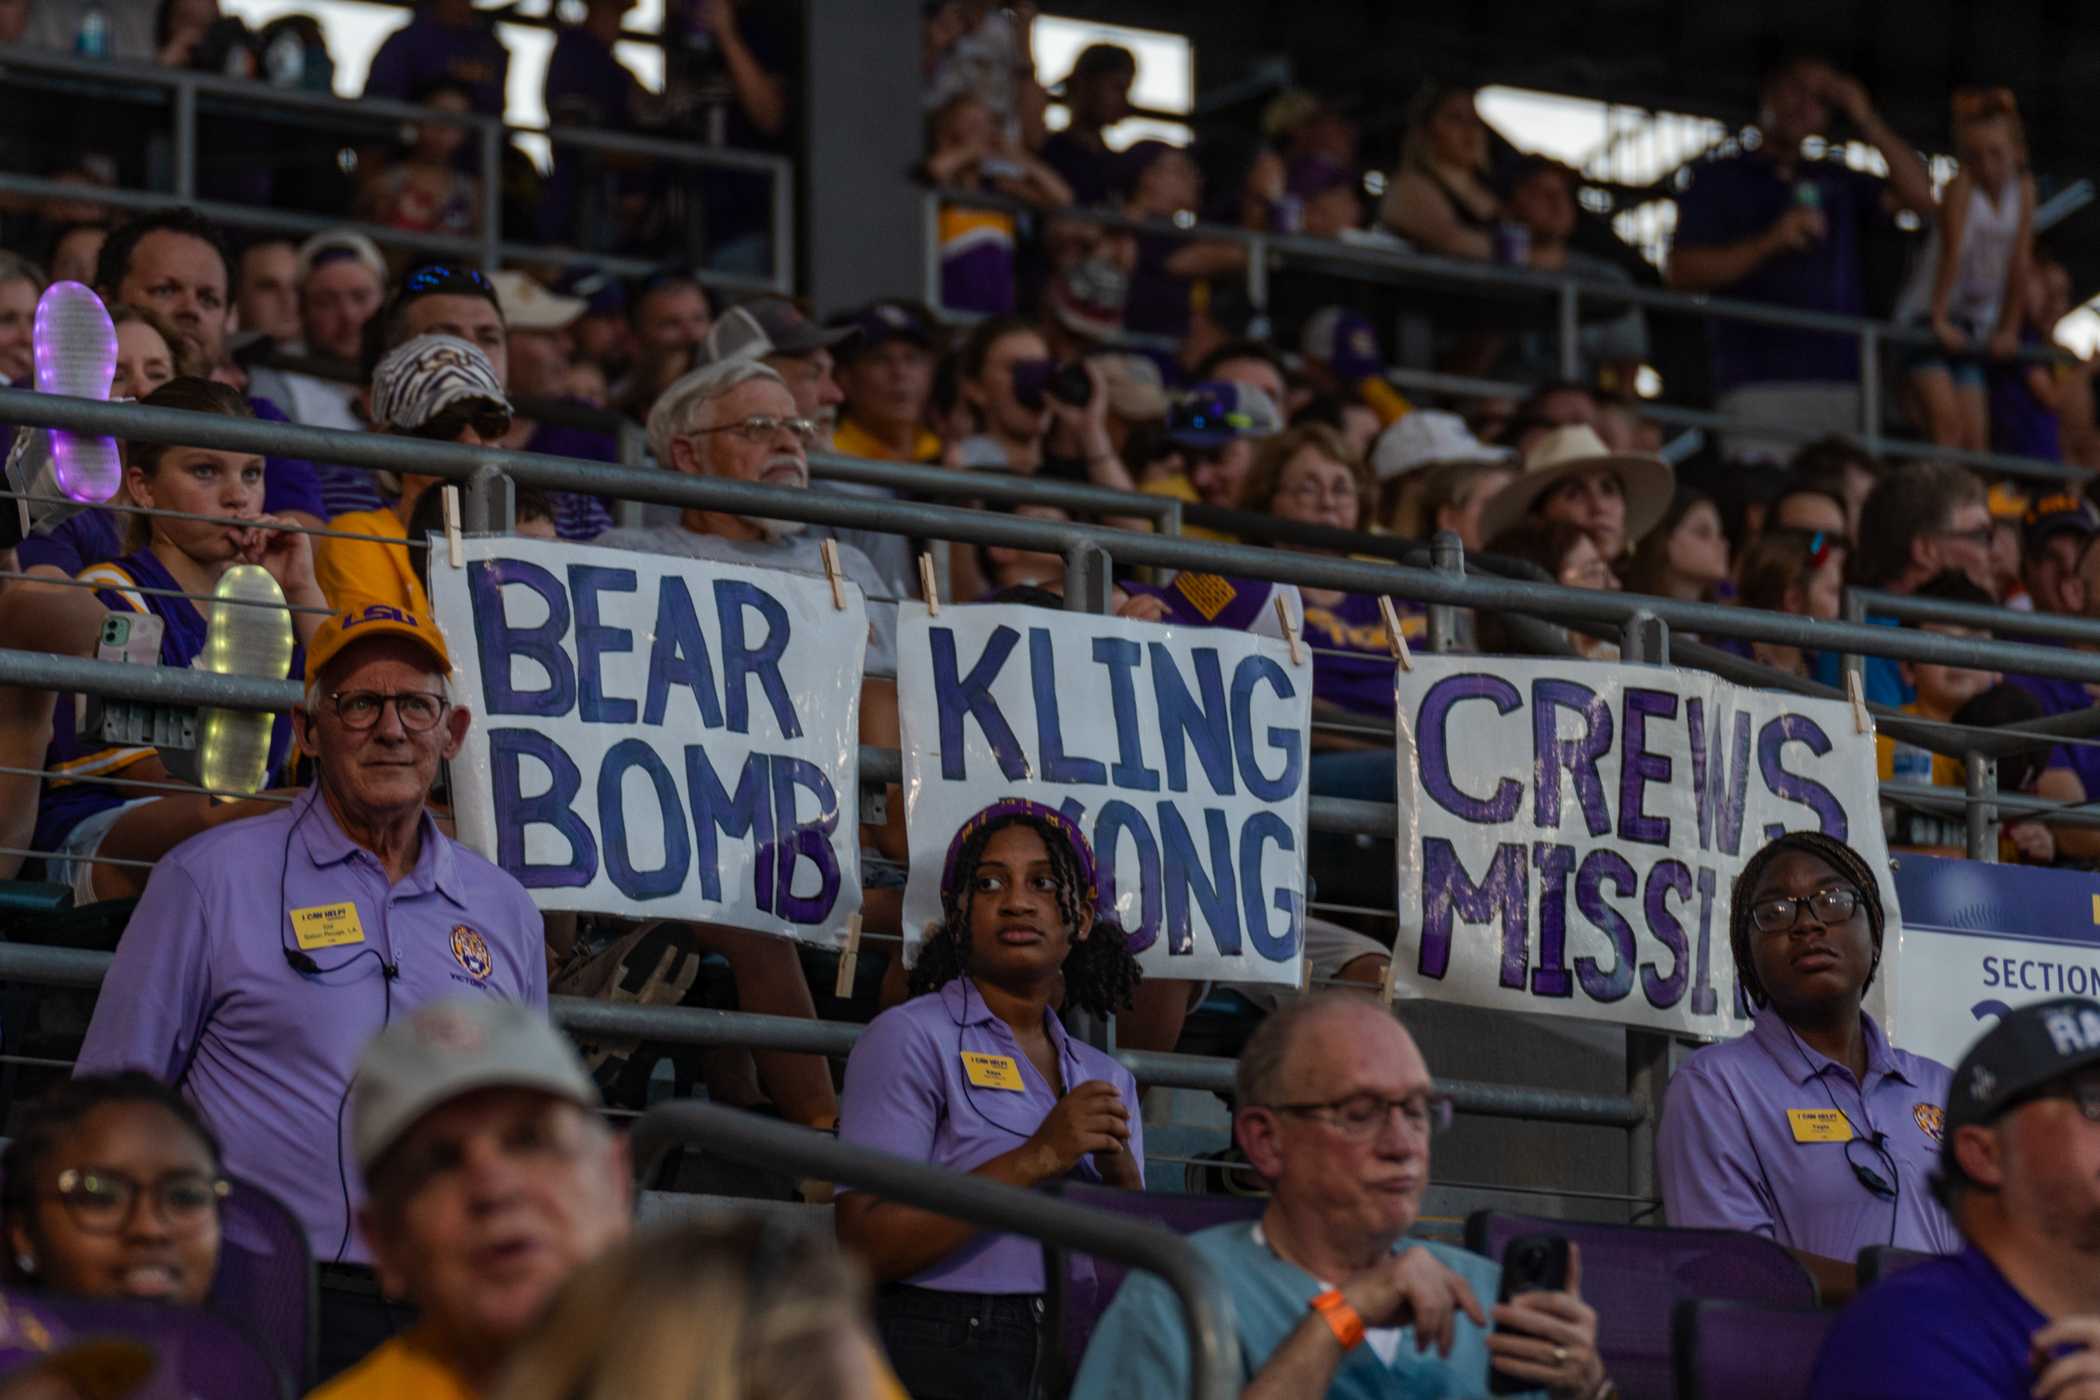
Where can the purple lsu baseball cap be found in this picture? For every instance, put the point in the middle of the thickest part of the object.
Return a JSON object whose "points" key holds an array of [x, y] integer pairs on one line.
{"points": [[1007, 809]]}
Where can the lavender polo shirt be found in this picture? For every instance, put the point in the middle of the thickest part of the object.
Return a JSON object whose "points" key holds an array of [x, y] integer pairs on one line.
{"points": [[907, 1093], [1729, 1156], [200, 993]]}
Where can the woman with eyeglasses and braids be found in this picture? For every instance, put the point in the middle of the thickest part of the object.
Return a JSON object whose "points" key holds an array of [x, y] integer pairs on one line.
{"points": [[975, 1074], [111, 1189], [1811, 1130]]}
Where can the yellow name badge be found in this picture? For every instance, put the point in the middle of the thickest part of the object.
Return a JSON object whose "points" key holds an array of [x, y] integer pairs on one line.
{"points": [[327, 926], [992, 1071], [1819, 1125]]}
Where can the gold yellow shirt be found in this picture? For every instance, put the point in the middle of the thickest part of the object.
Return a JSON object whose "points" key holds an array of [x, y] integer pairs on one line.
{"points": [[400, 1370], [377, 570]]}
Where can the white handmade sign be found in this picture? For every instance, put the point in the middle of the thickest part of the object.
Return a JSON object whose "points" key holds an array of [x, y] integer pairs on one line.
{"points": [[1179, 751], [1570, 832], [659, 736]]}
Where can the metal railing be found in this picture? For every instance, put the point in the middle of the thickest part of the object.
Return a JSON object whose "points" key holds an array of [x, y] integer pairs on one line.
{"points": [[187, 93], [1569, 293], [1206, 1308], [1089, 551]]}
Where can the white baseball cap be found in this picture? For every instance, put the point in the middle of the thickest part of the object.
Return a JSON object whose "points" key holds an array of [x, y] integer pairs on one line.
{"points": [[1429, 437], [527, 305]]}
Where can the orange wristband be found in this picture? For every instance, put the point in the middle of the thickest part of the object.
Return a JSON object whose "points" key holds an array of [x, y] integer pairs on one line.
{"points": [[1347, 1326]]}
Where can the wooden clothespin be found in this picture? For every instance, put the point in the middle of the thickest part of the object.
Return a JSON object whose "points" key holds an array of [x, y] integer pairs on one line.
{"points": [[1392, 970], [829, 548], [1394, 637], [849, 959], [1304, 969], [455, 545], [1290, 633], [1862, 722], [929, 586]]}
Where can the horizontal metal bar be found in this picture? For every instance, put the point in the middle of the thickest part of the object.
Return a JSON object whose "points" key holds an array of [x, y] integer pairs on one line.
{"points": [[1004, 488], [259, 99], [1410, 265], [1954, 799], [149, 685], [746, 1137], [1905, 607], [455, 462], [689, 1025]]}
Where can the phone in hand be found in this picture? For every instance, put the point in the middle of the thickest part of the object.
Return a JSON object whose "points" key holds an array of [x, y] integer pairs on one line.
{"points": [[1530, 1264]]}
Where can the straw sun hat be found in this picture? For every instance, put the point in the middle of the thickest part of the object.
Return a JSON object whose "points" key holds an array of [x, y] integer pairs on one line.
{"points": [[1575, 451]]}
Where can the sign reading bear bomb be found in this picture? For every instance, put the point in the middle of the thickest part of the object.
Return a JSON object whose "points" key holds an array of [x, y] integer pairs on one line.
{"points": [[1570, 833], [659, 736], [1179, 751]]}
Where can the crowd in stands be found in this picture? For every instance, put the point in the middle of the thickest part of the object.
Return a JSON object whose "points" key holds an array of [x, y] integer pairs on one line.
{"points": [[364, 1037]]}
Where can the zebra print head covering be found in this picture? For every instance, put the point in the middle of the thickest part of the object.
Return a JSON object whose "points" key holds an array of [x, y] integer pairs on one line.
{"points": [[420, 379]]}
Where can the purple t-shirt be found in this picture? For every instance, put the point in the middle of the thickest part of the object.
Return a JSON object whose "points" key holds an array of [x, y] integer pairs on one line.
{"points": [[289, 483], [1352, 660], [907, 1093], [577, 516], [200, 993], [1729, 1157], [83, 538], [1737, 197], [75, 760], [2059, 696], [1952, 1328], [424, 50]]}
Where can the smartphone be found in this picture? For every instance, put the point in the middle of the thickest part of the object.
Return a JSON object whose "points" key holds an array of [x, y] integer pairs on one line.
{"points": [[1530, 1264]]}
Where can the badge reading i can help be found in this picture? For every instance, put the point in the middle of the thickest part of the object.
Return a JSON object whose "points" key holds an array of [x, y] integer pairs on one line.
{"points": [[327, 926], [992, 1071], [1819, 1125]]}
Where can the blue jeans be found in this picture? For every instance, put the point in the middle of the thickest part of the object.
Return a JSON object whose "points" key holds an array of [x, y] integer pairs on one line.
{"points": [[961, 1346]]}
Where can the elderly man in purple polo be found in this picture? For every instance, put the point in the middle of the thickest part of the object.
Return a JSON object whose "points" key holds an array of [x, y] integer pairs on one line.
{"points": [[265, 953], [1812, 1129]]}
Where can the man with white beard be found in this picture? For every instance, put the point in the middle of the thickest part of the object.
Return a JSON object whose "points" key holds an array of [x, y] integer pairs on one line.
{"points": [[735, 419]]}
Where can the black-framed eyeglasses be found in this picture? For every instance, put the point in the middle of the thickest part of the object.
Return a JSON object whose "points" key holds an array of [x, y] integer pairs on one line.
{"points": [[488, 422], [359, 710], [99, 1200], [446, 277], [761, 427], [1833, 904], [1363, 1115]]}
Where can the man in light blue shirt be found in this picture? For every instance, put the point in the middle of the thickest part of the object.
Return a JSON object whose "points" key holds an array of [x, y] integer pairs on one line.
{"points": [[1330, 1295]]}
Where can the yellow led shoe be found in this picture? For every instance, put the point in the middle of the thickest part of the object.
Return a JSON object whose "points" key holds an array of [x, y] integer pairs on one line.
{"points": [[248, 632]]}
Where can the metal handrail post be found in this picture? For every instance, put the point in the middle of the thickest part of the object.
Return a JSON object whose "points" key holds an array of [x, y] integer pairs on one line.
{"points": [[1212, 1330], [488, 505], [1258, 273], [1090, 588], [1854, 663], [930, 240], [1569, 329], [185, 137], [1980, 786], [1644, 639], [783, 248], [491, 197], [1447, 556], [1870, 386]]}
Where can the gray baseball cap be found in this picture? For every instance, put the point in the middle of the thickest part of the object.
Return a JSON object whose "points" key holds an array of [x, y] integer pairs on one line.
{"points": [[446, 1049], [767, 326]]}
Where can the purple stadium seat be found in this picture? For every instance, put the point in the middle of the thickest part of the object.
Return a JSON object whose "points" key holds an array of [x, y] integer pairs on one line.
{"points": [[1634, 1276], [200, 1352], [1746, 1351], [266, 1277], [1082, 1286], [1878, 1261]]}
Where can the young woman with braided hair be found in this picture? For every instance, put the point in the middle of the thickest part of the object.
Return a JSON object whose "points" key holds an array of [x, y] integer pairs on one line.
{"points": [[1811, 1130], [975, 1074]]}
